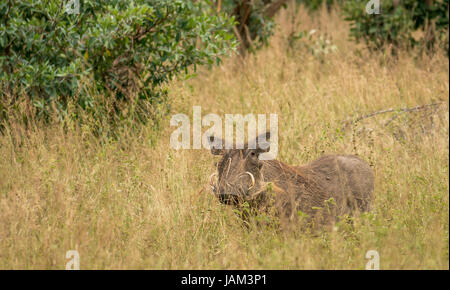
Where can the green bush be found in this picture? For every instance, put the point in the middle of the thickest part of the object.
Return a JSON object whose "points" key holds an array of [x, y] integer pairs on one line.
{"points": [[123, 49], [397, 21]]}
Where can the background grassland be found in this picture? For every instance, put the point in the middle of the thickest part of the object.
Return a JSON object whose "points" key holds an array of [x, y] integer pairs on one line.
{"points": [[136, 203]]}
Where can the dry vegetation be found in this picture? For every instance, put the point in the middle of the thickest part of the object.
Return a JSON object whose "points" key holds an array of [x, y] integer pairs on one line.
{"points": [[136, 203]]}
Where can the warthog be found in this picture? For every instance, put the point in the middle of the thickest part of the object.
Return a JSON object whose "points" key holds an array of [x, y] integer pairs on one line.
{"points": [[329, 187]]}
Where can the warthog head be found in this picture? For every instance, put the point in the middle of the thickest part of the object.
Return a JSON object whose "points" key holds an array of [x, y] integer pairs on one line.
{"points": [[238, 174]]}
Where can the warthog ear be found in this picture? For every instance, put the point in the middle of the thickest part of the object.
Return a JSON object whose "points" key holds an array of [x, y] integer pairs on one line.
{"points": [[216, 145], [260, 145], [263, 142]]}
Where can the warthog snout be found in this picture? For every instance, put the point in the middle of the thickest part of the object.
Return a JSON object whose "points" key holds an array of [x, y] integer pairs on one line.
{"points": [[234, 192]]}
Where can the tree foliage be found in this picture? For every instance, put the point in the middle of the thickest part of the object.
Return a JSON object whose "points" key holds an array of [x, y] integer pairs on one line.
{"points": [[254, 20], [397, 21]]}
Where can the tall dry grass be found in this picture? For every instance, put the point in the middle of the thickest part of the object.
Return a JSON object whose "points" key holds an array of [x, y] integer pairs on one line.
{"points": [[136, 203]]}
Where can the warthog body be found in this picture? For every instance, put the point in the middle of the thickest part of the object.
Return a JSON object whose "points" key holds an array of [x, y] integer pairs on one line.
{"points": [[329, 187]]}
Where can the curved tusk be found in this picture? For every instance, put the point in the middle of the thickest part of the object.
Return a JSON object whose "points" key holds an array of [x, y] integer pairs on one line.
{"points": [[211, 176], [211, 181], [229, 165], [253, 179]]}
